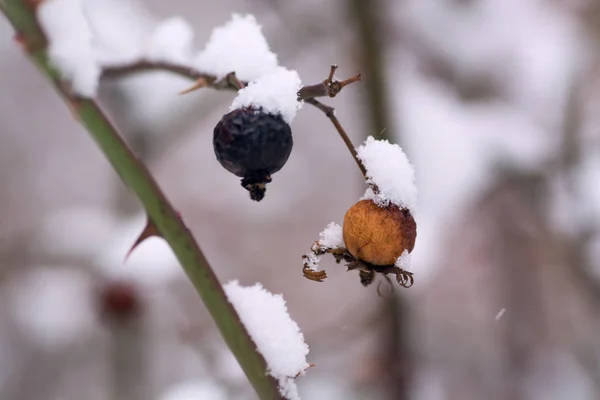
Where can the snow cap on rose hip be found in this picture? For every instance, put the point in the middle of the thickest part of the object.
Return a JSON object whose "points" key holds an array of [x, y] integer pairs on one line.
{"points": [[380, 228]]}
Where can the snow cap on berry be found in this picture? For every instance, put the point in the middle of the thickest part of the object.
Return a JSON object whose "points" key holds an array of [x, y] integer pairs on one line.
{"points": [[275, 93], [237, 46], [390, 172]]}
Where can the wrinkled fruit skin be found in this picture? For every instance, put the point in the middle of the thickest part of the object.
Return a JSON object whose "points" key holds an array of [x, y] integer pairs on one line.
{"points": [[378, 235], [252, 145]]}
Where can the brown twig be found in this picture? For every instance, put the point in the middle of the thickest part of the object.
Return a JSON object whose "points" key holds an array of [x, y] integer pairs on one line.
{"points": [[330, 113]]}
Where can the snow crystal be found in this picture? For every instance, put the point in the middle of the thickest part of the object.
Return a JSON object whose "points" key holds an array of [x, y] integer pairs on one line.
{"points": [[194, 390], [500, 314], [237, 46], [275, 92], [403, 261], [171, 41], [332, 237], [389, 169], [70, 44], [277, 337]]}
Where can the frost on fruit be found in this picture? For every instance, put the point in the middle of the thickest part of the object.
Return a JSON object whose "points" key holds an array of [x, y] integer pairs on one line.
{"points": [[237, 46], [404, 261]]}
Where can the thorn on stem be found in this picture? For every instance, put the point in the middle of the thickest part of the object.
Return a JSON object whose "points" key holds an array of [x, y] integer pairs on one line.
{"points": [[200, 83], [149, 231]]}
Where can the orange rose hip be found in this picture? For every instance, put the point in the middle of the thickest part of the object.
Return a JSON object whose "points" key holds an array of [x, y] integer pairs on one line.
{"points": [[378, 235]]}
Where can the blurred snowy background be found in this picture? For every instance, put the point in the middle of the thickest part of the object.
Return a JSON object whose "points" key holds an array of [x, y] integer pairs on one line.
{"points": [[494, 101]]}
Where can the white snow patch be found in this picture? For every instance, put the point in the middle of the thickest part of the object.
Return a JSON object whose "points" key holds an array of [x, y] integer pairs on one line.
{"points": [[238, 46], [277, 337], [311, 260], [332, 237], [275, 92], [390, 170], [70, 44], [403, 261], [500, 314], [52, 305], [194, 390], [171, 41]]}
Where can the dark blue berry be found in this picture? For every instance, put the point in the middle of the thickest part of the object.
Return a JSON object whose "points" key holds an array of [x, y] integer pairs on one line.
{"points": [[253, 145]]}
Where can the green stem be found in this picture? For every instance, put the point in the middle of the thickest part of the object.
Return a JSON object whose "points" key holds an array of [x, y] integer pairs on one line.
{"points": [[136, 176]]}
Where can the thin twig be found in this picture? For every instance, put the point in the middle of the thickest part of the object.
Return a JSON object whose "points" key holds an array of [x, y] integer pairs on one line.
{"points": [[137, 177], [330, 113]]}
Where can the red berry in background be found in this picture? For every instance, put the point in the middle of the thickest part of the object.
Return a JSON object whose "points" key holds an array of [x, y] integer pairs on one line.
{"points": [[119, 300], [253, 145]]}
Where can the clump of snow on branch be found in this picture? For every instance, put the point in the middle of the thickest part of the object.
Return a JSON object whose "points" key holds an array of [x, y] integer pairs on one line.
{"points": [[330, 238], [390, 171], [171, 41], [79, 49], [240, 46], [403, 262], [274, 93], [70, 43], [277, 337]]}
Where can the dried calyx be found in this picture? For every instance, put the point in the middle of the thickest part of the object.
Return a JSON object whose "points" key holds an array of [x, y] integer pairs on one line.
{"points": [[375, 239]]}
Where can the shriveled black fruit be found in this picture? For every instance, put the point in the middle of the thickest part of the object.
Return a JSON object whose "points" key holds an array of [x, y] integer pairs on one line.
{"points": [[253, 145]]}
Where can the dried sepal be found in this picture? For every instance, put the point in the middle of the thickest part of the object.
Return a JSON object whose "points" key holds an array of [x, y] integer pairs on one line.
{"points": [[199, 84], [317, 276]]}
